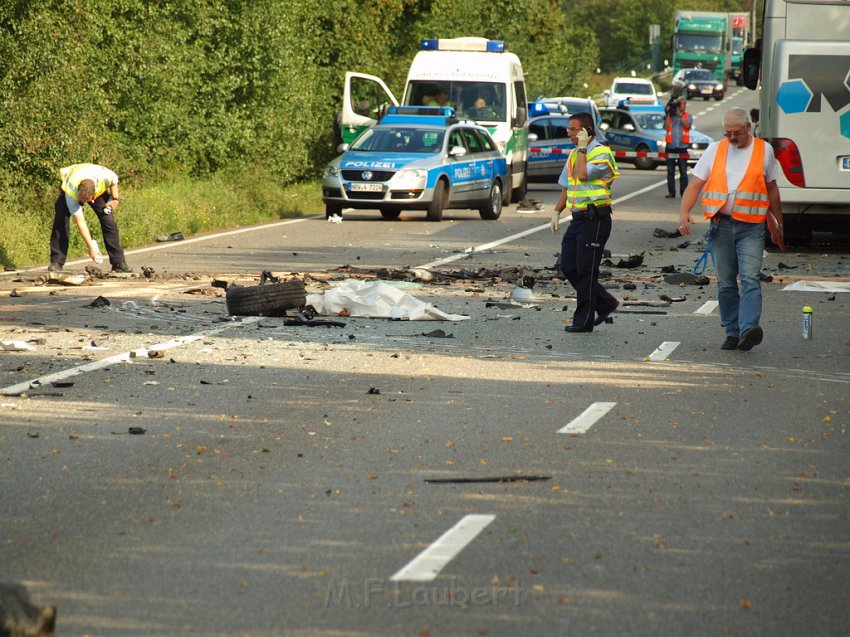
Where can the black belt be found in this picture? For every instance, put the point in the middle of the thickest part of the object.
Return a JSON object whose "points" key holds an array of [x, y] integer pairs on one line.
{"points": [[593, 212]]}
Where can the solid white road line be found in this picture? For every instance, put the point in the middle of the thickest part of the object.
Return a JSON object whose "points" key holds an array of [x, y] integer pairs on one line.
{"points": [[707, 308], [20, 388], [663, 351], [587, 419], [493, 244], [430, 562], [176, 244]]}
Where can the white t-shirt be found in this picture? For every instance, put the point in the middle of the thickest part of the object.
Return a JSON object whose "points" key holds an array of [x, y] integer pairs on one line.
{"points": [[737, 161]]}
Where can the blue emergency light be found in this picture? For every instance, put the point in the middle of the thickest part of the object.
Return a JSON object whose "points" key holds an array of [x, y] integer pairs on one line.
{"points": [[537, 108], [462, 44]]}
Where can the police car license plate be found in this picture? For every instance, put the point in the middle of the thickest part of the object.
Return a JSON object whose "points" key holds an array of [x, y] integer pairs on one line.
{"points": [[845, 163], [706, 91], [359, 187]]}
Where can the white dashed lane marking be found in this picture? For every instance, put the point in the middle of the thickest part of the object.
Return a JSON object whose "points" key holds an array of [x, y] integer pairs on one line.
{"points": [[431, 561], [587, 419], [707, 308], [663, 351]]}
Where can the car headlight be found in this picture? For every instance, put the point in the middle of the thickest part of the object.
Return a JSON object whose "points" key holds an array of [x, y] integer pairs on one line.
{"points": [[410, 178], [692, 87], [332, 171], [718, 87]]}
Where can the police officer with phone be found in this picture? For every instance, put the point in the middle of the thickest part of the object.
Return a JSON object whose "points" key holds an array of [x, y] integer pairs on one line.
{"points": [[586, 189]]}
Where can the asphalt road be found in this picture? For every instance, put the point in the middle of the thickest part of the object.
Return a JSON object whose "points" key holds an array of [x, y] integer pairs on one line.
{"points": [[377, 479]]}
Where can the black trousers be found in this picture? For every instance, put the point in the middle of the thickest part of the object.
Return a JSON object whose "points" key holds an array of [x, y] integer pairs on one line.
{"points": [[672, 162], [581, 253], [60, 235]]}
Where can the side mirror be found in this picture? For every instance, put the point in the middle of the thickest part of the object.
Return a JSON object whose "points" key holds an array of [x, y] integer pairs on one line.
{"points": [[457, 151], [532, 137], [606, 92], [342, 148], [604, 126], [629, 127], [521, 118], [752, 66]]}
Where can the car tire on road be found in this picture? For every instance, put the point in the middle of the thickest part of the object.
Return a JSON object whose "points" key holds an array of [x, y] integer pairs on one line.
{"points": [[493, 208], [333, 209], [271, 299], [435, 210], [390, 214]]}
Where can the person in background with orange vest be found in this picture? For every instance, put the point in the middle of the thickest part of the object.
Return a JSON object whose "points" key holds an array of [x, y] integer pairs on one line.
{"points": [[98, 187], [678, 125], [737, 179]]}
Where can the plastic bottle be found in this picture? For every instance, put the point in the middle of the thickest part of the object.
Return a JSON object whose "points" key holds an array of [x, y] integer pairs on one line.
{"points": [[99, 257], [807, 322]]}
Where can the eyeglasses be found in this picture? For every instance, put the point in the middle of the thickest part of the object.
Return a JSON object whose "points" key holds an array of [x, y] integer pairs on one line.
{"points": [[573, 130], [734, 133]]}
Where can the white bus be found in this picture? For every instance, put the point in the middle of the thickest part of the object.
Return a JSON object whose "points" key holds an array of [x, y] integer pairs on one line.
{"points": [[802, 64]]}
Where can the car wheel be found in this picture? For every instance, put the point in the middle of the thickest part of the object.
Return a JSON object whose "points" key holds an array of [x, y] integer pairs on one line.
{"points": [[644, 163], [518, 194], [506, 191], [272, 299], [718, 97], [493, 208], [333, 209], [390, 214], [435, 210]]}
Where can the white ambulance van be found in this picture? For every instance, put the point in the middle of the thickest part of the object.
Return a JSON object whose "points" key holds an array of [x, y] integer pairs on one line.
{"points": [[803, 64], [478, 77]]}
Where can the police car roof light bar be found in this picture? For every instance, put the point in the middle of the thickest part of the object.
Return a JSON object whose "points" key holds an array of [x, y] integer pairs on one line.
{"points": [[462, 44]]}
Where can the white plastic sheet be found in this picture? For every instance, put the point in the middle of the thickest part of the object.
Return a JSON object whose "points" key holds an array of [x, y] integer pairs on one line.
{"points": [[376, 299], [818, 286]]}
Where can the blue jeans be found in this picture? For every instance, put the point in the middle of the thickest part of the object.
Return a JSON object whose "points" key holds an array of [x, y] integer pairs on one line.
{"points": [[672, 163], [737, 248]]}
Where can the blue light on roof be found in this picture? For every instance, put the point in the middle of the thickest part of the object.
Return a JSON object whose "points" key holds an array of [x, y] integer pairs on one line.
{"points": [[429, 44], [495, 46], [537, 108]]}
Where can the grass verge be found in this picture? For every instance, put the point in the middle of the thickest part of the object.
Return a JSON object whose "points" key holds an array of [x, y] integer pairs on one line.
{"points": [[181, 205]]}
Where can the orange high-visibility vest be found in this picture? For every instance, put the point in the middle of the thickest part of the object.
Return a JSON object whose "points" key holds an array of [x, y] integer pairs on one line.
{"points": [[686, 130], [751, 201]]}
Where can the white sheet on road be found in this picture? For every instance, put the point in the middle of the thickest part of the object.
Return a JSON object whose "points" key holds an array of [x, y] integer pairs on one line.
{"points": [[376, 299], [818, 286]]}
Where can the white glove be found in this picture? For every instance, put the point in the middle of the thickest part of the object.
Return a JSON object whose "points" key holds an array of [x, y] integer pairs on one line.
{"points": [[582, 138], [554, 222]]}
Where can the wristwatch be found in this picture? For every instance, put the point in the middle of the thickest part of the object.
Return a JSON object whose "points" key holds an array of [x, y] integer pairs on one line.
{"points": [[583, 150]]}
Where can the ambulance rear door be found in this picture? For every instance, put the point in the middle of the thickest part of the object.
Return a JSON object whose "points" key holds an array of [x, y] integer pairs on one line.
{"points": [[364, 99]]}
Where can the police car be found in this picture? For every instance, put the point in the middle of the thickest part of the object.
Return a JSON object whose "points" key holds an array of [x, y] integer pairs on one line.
{"points": [[418, 158], [641, 130], [549, 143]]}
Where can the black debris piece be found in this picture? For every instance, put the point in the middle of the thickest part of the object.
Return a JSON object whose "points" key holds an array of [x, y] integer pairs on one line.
{"points": [[686, 278], [100, 301], [174, 236], [666, 234], [437, 334], [632, 261], [785, 266], [297, 322], [374, 391], [512, 478]]}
